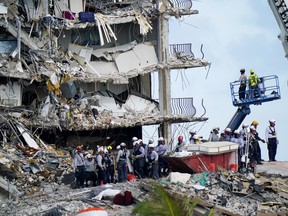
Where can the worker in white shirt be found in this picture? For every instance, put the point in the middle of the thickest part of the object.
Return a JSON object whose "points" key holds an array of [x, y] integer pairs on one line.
{"points": [[161, 149], [271, 140], [90, 172], [121, 160], [152, 158], [214, 135], [78, 164]]}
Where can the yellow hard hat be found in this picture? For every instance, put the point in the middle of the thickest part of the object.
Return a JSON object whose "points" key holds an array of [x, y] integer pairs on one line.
{"points": [[109, 147], [255, 122], [251, 71]]}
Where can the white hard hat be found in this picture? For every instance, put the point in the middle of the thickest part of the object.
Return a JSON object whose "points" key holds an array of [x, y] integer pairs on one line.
{"points": [[272, 120], [118, 147], [100, 149], [123, 144], [134, 139], [216, 128], [88, 156], [228, 130], [236, 132], [140, 140], [135, 143], [245, 125], [197, 137], [192, 131], [161, 139], [150, 141], [151, 145], [252, 128]]}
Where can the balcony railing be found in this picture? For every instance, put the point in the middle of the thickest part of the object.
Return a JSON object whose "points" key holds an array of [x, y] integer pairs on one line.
{"points": [[181, 50], [182, 106], [183, 4]]}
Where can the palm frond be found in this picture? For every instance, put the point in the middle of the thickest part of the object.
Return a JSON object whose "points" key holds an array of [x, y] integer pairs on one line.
{"points": [[162, 203]]}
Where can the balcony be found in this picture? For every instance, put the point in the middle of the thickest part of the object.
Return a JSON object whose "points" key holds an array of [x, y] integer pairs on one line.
{"points": [[182, 57]]}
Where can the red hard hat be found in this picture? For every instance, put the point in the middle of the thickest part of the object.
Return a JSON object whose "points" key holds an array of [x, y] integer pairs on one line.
{"points": [[78, 148], [180, 138]]}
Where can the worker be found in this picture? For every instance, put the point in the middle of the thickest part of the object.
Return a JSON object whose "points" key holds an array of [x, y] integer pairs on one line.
{"points": [[145, 146], [101, 168], [110, 164], [161, 149], [121, 160], [227, 134], [152, 157], [240, 142], [253, 150], [254, 81], [180, 144], [90, 172], [138, 159], [192, 133], [242, 87], [214, 135], [258, 148], [197, 139], [271, 140], [244, 131], [222, 136], [79, 167]]}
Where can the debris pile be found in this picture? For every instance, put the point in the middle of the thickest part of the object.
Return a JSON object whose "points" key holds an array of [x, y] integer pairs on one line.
{"points": [[26, 161]]}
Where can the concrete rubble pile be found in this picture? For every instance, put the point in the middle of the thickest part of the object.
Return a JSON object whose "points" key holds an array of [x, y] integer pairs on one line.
{"points": [[26, 161], [227, 192]]}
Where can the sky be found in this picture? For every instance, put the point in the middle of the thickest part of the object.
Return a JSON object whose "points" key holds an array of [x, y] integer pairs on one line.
{"points": [[235, 34]]}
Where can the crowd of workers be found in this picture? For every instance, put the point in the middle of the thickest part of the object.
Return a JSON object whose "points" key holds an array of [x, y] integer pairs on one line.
{"points": [[247, 138], [144, 160]]}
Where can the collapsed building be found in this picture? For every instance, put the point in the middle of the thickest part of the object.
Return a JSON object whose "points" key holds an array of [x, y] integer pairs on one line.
{"points": [[102, 51]]}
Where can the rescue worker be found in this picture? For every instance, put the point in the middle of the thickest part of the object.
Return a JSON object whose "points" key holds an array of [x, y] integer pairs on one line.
{"points": [[110, 164], [238, 140], [180, 145], [253, 151], [90, 172], [271, 140], [79, 167], [242, 87], [227, 134], [197, 139], [101, 168], [192, 133], [121, 160], [214, 135], [139, 159], [258, 149], [222, 136], [161, 149], [254, 81], [152, 157], [244, 131]]}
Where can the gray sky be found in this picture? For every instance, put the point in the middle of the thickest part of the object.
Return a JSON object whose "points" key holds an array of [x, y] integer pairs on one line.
{"points": [[235, 34]]}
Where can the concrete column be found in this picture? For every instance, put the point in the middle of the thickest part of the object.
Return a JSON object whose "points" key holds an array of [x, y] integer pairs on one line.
{"points": [[164, 73]]}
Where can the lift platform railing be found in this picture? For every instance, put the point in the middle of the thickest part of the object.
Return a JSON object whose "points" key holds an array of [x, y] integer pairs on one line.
{"points": [[267, 90]]}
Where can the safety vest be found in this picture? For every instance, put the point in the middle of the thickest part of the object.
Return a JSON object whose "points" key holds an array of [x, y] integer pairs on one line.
{"points": [[253, 80]]}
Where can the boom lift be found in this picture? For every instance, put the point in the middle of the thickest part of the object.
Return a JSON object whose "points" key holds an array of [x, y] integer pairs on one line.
{"points": [[269, 90]]}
